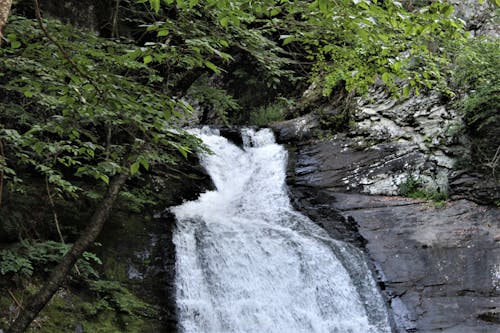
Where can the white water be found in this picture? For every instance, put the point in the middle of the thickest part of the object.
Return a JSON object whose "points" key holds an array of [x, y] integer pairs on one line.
{"points": [[247, 262]]}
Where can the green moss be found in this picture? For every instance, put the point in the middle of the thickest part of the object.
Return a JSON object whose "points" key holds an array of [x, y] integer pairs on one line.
{"points": [[114, 269], [107, 308]]}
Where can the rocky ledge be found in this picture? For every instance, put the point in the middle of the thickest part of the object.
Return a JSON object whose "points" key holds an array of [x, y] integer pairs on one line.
{"points": [[438, 267]]}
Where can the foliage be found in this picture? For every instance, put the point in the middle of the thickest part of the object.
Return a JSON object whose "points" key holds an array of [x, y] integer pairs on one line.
{"points": [[10, 262], [476, 71], [213, 98], [348, 42], [112, 295], [267, 114], [477, 81], [67, 125], [359, 42], [413, 188], [26, 257]]}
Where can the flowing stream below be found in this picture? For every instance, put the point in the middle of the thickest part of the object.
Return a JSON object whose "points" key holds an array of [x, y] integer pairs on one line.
{"points": [[246, 261]]}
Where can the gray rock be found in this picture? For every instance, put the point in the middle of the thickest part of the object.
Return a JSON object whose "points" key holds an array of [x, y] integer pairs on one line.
{"points": [[440, 268], [295, 129]]}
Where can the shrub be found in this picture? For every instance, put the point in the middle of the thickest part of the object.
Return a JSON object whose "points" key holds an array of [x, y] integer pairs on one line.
{"points": [[267, 114], [477, 80], [413, 188]]}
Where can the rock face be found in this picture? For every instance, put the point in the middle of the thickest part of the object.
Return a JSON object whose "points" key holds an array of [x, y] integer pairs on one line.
{"points": [[479, 16], [439, 267], [413, 138], [140, 253], [390, 143]]}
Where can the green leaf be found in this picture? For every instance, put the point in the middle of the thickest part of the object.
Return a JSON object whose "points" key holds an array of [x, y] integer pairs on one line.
{"points": [[15, 44], [134, 167], [323, 6], [386, 77], [212, 66], [449, 9], [144, 163], [104, 178], [406, 91], [147, 59], [224, 21], [162, 33], [155, 5]]}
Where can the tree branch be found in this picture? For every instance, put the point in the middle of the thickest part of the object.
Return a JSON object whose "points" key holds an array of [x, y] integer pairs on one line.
{"points": [[58, 275]]}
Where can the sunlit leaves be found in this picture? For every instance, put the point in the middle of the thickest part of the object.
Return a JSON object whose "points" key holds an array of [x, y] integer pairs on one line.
{"points": [[66, 130]]}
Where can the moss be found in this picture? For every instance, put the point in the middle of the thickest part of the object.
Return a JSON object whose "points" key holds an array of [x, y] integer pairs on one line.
{"points": [[65, 313], [114, 269], [116, 311]]}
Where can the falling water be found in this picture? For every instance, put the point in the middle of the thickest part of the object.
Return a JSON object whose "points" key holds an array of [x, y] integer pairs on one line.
{"points": [[247, 262]]}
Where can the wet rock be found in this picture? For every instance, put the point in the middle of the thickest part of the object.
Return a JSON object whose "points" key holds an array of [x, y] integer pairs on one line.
{"points": [[440, 268], [300, 128], [358, 165], [233, 134], [317, 205]]}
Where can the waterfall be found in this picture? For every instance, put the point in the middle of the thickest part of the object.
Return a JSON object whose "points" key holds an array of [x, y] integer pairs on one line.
{"points": [[247, 262]]}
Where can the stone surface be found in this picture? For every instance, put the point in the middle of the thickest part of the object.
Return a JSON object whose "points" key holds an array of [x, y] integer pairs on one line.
{"points": [[439, 267], [478, 15], [297, 129], [481, 188], [389, 142], [420, 132]]}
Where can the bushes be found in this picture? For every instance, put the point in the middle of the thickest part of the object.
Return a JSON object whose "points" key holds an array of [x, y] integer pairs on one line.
{"points": [[413, 188], [477, 80], [26, 257], [267, 114]]}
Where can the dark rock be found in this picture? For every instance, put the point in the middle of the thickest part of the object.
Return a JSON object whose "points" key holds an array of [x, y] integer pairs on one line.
{"points": [[343, 164], [317, 205], [479, 187], [233, 134], [88, 14], [439, 268], [139, 252]]}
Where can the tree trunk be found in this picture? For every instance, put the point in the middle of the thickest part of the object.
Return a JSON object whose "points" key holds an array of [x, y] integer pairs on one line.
{"points": [[59, 274], [4, 15]]}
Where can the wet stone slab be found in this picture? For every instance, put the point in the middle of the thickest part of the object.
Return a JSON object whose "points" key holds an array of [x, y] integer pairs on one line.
{"points": [[440, 267]]}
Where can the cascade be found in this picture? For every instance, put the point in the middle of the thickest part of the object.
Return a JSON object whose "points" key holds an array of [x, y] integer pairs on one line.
{"points": [[247, 262]]}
